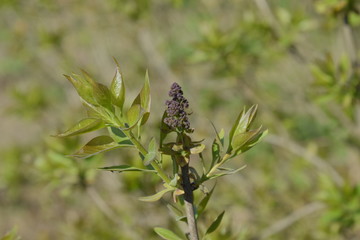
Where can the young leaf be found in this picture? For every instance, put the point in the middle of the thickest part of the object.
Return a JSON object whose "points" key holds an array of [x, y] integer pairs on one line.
{"points": [[133, 115], [117, 88], [84, 126], [98, 145], [242, 123], [197, 149], [174, 181], [215, 150], [100, 92], [103, 96], [84, 89], [152, 150], [178, 212], [241, 139], [166, 234], [157, 196], [234, 127], [227, 172], [246, 120], [126, 168], [215, 224], [252, 142], [119, 136], [203, 203], [144, 99], [11, 235]]}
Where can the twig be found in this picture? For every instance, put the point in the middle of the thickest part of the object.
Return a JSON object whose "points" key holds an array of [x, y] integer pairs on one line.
{"points": [[291, 219], [189, 203], [297, 149]]}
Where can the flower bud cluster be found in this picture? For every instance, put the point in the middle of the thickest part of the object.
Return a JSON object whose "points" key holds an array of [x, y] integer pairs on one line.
{"points": [[177, 117]]}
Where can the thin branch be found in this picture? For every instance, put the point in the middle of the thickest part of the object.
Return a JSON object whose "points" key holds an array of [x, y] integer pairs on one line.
{"points": [[291, 219]]}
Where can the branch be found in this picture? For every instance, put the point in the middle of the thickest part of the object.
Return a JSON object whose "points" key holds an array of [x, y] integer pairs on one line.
{"points": [[189, 203]]}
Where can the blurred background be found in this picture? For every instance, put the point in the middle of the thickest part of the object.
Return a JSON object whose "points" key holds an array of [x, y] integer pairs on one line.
{"points": [[299, 60]]}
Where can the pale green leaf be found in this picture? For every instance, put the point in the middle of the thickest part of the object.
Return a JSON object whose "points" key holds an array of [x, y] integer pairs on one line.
{"points": [[215, 224], [100, 92], [203, 203], [119, 136], [117, 88], [197, 149], [144, 99], [98, 145], [166, 234], [156, 196], [241, 139], [252, 142], [133, 115], [226, 171], [83, 88], [126, 168], [152, 151], [84, 126]]}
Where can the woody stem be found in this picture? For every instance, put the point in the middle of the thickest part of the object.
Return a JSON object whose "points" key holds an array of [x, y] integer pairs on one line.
{"points": [[189, 203]]}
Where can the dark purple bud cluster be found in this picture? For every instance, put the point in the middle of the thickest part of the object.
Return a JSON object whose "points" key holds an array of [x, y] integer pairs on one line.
{"points": [[177, 117]]}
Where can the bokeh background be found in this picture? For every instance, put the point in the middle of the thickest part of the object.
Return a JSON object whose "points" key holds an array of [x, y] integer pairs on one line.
{"points": [[299, 60]]}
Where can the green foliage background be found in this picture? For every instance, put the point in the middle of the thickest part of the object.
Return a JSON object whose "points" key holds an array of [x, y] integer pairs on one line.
{"points": [[299, 60]]}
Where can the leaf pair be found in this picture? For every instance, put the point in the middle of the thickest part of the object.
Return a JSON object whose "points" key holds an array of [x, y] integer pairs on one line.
{"points": [[92, 93], [139, 111], [241, 138], [100, 144]]}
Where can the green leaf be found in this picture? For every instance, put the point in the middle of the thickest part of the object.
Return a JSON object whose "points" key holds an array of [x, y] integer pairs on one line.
{"points": [[221, 136], [215, 150], [144, 99], [166, 234], [119, 136], [83, 87], [126, 168], [228, 171], [134, 115], [117, 88], [152, 151], [203, 203], [215, 224], [103, 96], [242, 123], [197, 149], [174, 181], [241, 139], [98, 145], [156, 196], [251, 142], [246, 120], [178, 212], [84, 126], [100, 92], [11, 235], [234, 127]]}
